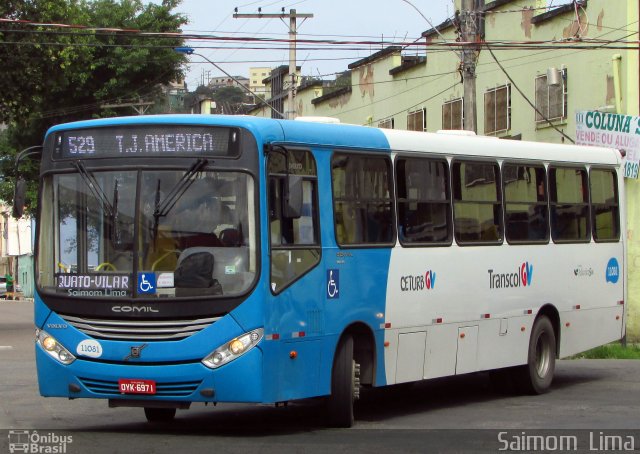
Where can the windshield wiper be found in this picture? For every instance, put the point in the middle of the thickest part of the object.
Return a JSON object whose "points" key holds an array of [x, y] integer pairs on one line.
{"points": [[162, 208], [95, 188]]}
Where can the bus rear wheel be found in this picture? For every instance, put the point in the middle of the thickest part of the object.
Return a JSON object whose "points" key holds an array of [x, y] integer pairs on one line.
{"points": [[159, 414], [345, 385], [536, 376]]}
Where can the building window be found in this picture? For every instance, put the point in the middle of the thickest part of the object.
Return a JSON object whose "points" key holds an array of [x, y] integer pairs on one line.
{"points": [[417, 120], [497, 110], [605, 213], [569, 193], [424, 208], [387, 123], [452, 114], [551, 100], [477, 207], [362, 200], [525, 203]]}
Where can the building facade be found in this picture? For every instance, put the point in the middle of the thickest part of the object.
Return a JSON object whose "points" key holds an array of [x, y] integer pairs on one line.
{"points": [[256, 81], [16, 249]]}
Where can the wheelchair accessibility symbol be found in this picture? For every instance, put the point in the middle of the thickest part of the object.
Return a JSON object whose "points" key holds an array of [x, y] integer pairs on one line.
{"points": [[146, 283], [333, 284]]}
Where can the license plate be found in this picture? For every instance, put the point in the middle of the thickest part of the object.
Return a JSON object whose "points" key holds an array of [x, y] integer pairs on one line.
{"points": [[134, 386]]}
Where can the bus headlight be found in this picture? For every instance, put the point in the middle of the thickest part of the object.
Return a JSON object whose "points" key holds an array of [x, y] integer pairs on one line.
{"points": [[50, 345], [233, 349]]}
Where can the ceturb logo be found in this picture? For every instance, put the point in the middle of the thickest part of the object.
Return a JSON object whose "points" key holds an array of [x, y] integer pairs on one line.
{"points": [[522, 277], [419, 282]]}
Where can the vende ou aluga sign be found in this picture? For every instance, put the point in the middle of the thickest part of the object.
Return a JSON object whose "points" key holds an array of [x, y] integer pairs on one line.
{"points": [[613, 131]]}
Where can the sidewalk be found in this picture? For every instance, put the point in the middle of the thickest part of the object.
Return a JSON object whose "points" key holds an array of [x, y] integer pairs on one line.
{"points": [[17, 298]]}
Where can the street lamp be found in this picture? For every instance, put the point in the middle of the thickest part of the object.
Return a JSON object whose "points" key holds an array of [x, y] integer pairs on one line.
{"points": [[191, 51]]}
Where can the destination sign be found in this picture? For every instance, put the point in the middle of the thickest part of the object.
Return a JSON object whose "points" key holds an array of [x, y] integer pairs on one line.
{"points": [[143, 141], [98, 285]]}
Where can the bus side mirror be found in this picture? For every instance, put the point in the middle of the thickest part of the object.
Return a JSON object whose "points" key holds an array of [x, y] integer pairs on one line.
{"points": [[19, 196], [293, 197]]}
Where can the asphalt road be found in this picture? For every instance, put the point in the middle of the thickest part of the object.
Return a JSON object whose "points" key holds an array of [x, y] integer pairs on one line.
{"points": [[590, 400]]}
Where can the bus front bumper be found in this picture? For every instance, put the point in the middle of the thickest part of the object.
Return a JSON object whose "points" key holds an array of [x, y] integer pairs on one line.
{"points": [[237, 381]]}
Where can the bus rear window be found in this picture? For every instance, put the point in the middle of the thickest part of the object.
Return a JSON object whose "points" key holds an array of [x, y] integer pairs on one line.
{"points": [[604, 202]]}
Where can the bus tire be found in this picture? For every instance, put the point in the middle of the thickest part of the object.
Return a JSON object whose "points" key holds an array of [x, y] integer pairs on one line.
{"points": [[536, 376], [159, 414], [345, 385]]}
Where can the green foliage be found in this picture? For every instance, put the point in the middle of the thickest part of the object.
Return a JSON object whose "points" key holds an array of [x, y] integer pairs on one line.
{"points": [[229, 100], [612, 351], [230, 95], [343, 79], [52, 75]]}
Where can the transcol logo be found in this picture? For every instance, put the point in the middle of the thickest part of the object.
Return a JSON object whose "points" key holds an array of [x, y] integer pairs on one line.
{"points": [[522, 277]]}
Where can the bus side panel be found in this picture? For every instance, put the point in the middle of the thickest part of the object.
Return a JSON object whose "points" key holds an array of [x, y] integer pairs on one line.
{"points": [[361, 276], [597, 317], [354, 283], [445, 291], [603, 325]]}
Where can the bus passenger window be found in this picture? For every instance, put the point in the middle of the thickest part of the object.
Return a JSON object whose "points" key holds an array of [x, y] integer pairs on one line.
{"points": [[363, 212], [569, 204], [295, 245], [424, 208], [525, 202], [476, 202], [605, 212]]}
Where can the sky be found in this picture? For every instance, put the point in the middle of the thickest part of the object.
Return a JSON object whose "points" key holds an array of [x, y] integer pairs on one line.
{"points": [[344, 20], [364, 20]]}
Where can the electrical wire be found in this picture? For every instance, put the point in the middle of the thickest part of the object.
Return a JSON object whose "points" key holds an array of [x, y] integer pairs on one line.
{"points": [[339, 44]]}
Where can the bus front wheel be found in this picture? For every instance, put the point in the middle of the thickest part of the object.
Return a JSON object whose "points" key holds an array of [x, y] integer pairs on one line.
{"points": [[159, 414], [536, 376], [345, 385]]}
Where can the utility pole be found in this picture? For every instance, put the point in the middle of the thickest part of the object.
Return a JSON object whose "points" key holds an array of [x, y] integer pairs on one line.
{"points": [[139, 106], [470, 33], [293, 30]]}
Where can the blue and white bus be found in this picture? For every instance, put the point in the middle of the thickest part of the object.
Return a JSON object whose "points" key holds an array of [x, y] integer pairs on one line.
{"points": [[185, 259]]}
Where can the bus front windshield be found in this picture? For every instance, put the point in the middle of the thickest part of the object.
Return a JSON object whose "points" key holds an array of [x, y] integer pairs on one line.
{"points": [[147, 234]]}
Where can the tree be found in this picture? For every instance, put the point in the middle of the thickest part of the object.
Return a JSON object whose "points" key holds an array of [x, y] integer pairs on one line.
{"points": [[231, 95], [52, 75]]}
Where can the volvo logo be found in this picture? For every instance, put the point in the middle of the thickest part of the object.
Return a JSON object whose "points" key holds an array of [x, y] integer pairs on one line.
{"points": [[135, 352], [133, 309]]}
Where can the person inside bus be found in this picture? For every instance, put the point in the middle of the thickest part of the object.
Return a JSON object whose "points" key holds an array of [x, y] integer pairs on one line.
{"points": [[190, 223], [196, 224]]}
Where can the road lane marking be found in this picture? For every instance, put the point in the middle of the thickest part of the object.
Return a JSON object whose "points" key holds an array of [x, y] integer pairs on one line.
{"points": [[6, 347]]}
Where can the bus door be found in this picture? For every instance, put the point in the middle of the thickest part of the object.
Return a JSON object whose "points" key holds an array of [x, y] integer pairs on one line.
{"points": [[295, 313]]}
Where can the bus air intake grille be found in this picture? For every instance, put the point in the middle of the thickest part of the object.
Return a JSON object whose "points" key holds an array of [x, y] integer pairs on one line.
{"points": [[139, 330], [168, 389]]}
